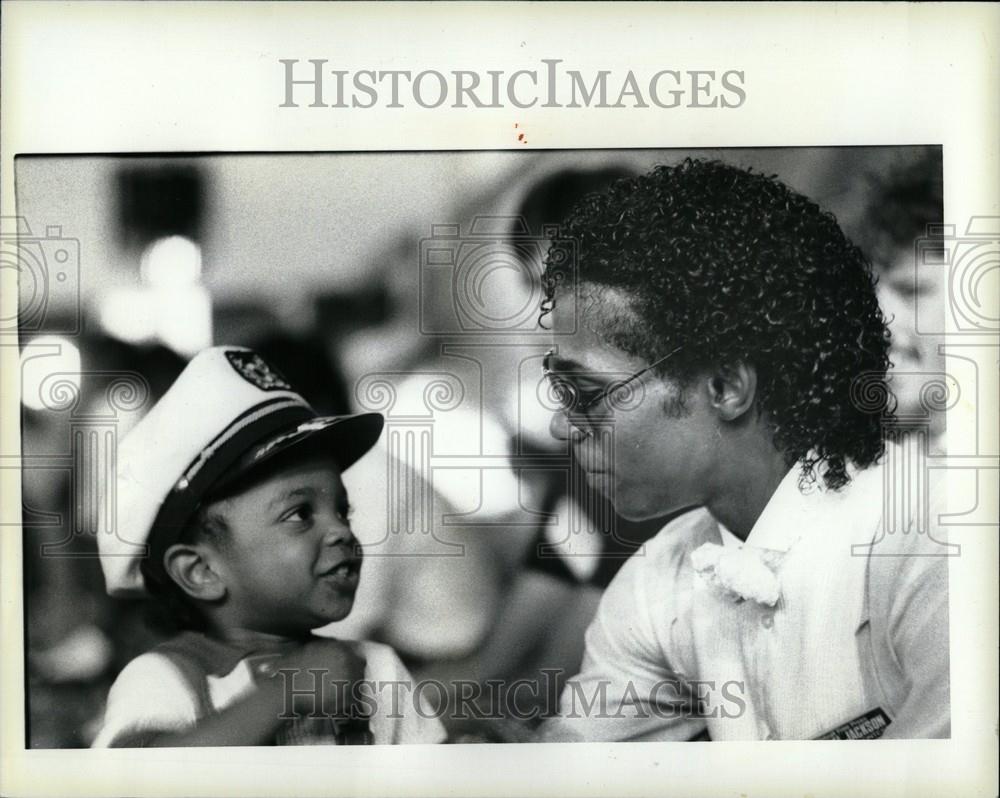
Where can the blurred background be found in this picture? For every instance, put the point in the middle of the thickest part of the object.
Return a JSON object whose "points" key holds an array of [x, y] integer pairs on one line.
{"points": [[399, 282]]}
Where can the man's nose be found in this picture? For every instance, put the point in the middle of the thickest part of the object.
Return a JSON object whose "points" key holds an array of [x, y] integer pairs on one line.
{"points": [[562, 429]]}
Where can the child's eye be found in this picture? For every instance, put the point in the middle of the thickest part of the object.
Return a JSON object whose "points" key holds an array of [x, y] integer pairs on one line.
{"points": [[301, 513]]}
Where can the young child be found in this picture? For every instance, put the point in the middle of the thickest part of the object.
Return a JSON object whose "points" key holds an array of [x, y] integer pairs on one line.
{"points": [[232, 516]]}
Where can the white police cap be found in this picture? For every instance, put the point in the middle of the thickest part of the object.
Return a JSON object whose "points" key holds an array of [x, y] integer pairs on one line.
{"points": [[227, 412]]}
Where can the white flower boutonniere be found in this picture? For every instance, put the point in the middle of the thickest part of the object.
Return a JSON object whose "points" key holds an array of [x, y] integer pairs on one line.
{"points": [[744, 573]]}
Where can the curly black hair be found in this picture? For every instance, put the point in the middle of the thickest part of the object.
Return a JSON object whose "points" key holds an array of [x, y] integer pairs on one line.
{"points": [[733, 266]]}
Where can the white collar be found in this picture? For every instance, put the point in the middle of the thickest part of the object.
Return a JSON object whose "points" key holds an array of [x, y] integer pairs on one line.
{"points": [[784, 518], [793, 512], [728, 538], [789, 513]]}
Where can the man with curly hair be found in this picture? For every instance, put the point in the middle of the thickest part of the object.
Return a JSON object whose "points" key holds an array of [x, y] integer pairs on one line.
{"points": [[719, 346]]}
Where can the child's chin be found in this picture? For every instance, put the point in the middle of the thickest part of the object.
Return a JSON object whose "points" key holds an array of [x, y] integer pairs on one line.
{"points": [[339, 613]]}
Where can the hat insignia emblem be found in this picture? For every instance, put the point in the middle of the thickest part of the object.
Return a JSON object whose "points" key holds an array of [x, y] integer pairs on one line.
{"points": [[252, 367]]}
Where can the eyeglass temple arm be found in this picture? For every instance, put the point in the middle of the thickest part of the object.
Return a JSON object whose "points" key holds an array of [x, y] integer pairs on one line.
{"points": [[650, 367], [616, 385]]}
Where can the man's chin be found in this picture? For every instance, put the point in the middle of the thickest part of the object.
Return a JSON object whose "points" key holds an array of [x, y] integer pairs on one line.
{"points": [[635, 507], [636, 516]]}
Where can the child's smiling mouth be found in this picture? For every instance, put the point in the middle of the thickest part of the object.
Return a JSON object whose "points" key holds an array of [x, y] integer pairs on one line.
{"points": [[343, 575]]}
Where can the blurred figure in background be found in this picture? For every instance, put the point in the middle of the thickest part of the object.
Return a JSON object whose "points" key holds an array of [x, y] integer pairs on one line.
{"points": [[906, 205], [76, 638], [310, 366]]}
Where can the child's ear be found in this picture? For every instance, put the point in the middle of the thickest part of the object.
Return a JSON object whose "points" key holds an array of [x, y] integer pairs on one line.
{"points": [[732, 390], [192, 570]]}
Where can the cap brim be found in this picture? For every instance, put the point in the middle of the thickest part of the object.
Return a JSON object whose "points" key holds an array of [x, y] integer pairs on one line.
{"points": [[347, 439]]}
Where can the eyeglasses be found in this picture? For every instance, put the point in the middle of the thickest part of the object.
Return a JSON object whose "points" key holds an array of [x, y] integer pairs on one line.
{"points": [[568, 395]]}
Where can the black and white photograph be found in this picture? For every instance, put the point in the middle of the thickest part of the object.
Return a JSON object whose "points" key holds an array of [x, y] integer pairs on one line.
{"points": [[391, 448], [498, 399]]}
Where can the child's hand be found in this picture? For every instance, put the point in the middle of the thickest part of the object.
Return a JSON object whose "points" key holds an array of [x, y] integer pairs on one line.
{"points": [[254, 718], [339, 657], [325, 674]]}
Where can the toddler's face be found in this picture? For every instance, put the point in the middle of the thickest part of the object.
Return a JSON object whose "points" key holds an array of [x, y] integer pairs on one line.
{"points": [[291, 562]]}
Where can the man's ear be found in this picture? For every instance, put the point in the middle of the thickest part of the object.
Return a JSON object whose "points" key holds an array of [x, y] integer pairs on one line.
{"points": [[190, 567], [732, 390]]}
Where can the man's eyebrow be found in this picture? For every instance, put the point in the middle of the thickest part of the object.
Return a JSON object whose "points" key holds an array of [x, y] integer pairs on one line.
{"points": [[576, 370], [557, 363]]}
